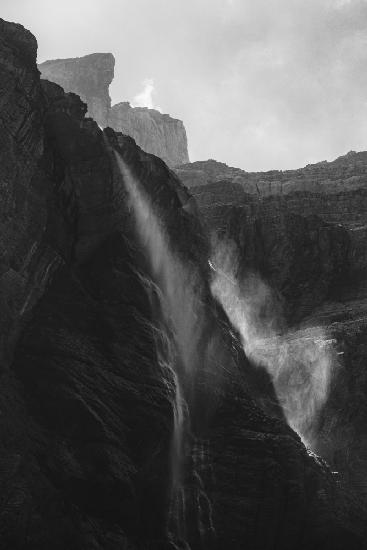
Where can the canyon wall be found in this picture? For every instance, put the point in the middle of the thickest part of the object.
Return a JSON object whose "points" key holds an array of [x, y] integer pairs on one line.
{"points": [[319, 212], [90, 77], [304, 231], [87, 406]]}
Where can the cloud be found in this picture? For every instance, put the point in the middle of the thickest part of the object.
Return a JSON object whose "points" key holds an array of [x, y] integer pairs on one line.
{"points": [[145, 97]]}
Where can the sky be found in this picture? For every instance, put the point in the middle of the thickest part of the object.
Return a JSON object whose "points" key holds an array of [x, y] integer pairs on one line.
{"points": [[259, 84]]}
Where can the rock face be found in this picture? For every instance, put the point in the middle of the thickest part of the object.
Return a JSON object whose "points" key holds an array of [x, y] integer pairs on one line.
{"points": [[305, 232], [153, 131], [321, 204], [90, 77], [25, 269], [87, 404]]}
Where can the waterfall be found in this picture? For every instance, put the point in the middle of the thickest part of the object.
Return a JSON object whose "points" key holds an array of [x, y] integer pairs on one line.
{"points": [[177, 340], [202, 461], [299, 361]]}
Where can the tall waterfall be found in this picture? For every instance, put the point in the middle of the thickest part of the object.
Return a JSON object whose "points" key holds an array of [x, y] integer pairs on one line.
{"points": [[181, 324]]}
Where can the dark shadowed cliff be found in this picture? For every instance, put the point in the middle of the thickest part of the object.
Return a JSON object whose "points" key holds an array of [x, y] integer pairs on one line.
{"points": [[304, 231], [87, 400], [90, 77]]}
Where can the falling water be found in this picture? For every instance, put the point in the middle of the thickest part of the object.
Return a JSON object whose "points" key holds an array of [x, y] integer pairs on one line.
{"points": [[203, 462], [300, 362], [180, 311]]}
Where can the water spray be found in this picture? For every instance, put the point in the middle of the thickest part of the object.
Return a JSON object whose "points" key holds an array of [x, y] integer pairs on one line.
{"points": [[299, 362], [177, 341]]}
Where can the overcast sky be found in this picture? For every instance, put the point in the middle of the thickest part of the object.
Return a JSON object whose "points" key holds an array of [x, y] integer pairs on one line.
{"points": [[259, 84]]}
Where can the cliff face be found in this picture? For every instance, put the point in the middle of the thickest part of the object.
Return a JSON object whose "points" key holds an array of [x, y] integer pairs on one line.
{"points": [[25, 269], [90, 77], [153, 131], [69, 463], [334, 191], [87, 402], [305, 232], [329, 198]]}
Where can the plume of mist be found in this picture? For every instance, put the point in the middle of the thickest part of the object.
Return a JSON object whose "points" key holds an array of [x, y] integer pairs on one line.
{"points": [[299, 362], [146, 97]]}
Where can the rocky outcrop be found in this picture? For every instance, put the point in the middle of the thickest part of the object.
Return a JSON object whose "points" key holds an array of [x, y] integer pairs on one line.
{"points": [[90, 77], [153, 131], [87, 404]]}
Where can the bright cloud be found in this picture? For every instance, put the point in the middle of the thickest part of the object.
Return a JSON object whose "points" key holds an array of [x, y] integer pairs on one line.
{"points": [[145, 97]]}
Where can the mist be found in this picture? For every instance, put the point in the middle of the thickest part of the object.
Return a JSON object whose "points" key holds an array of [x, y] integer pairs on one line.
{"points": [[300, 362]]}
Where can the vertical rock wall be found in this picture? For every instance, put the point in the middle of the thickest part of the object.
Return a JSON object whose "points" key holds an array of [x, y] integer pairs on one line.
{"points": [[90, 77]]}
